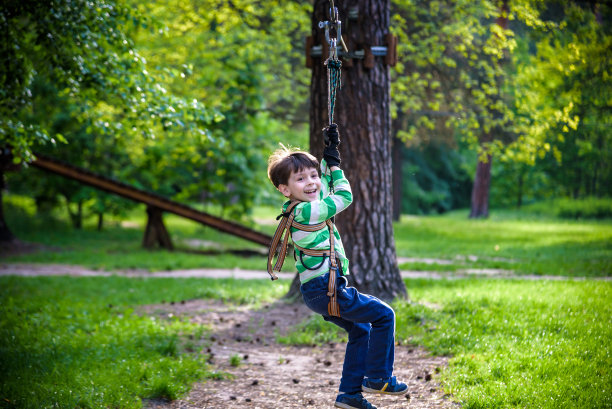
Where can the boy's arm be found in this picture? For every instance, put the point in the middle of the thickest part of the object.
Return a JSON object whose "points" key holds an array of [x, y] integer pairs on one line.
{"points": [[330, 205]]}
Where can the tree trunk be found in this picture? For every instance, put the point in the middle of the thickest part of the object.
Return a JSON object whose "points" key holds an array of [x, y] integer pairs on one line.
{"points": [[482, 180], [155, 232], [364, 121], [100, 221], [480, 190], [5, 233], [521, 183]]}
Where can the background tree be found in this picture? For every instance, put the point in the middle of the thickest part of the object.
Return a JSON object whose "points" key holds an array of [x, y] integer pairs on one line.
{"points": [[449, 84], [363, 116], [563, 101], [79, 52]]}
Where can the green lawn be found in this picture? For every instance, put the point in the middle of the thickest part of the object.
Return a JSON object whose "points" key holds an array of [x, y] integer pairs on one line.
{"points": [[516, 344], [81, 343], [508, 240], [512, 344]]}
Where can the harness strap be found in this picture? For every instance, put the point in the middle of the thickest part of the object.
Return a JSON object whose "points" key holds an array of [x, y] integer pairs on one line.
{"points": [[333, 308], [281, 230], [281, 237]]}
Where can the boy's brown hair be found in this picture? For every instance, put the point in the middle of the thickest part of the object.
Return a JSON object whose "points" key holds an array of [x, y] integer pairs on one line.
{"points": [[284, 161]]}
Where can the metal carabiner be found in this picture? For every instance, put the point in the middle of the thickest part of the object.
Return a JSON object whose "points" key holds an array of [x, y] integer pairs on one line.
{"points": [[334, 22]]}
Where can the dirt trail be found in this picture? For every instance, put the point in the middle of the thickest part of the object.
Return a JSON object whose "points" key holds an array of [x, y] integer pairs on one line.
{"points": [[30, 269], [273, 376]]}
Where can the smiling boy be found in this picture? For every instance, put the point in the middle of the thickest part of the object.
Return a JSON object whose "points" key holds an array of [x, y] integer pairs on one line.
{"points": [[370, 323]]}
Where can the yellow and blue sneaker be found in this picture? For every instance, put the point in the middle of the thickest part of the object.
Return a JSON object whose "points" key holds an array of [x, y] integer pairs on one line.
{"points": [[389, 386], [352, 401]]}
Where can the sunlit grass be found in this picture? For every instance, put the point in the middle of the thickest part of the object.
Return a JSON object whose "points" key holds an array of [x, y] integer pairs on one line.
{"points": [[516, 344]]}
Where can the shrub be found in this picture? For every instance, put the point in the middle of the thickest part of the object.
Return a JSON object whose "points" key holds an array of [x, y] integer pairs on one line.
{"points": [[566, 208], [588, 208]]}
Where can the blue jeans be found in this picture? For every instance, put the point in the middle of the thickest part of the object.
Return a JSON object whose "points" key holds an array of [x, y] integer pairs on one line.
{"points": [[370, 324]]}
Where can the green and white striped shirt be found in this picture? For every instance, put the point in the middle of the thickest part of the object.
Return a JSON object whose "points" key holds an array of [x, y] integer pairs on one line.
{"points": [[316, 212]]}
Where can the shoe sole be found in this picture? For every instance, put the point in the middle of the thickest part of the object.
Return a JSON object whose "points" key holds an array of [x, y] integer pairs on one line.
{"points": [[366, 389], [343, 405]]}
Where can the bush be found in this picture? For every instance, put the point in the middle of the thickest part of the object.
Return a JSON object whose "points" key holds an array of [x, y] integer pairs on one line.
{"points": [[588, 208], [566, 208]]}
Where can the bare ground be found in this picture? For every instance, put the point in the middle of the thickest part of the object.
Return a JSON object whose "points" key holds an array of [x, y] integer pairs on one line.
{"points": [[271, 375]]}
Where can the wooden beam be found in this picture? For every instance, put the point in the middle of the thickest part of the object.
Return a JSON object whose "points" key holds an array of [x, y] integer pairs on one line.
{"points": [[150, 199]]}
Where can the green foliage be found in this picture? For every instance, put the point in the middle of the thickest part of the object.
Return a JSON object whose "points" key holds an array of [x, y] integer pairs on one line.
{"points": [[240, 57], [514, 343], [563, 100], [82, 51], [450, 71], [142, 122], [435, 179]]}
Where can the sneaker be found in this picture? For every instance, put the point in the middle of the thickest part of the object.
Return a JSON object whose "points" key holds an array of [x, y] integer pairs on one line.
{"points": [[355, 400], [389, 386]]}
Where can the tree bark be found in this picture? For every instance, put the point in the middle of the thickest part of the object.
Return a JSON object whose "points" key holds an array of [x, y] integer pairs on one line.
{"points": [[364, 121], [480, 190], [100, 221], [155, 232]]}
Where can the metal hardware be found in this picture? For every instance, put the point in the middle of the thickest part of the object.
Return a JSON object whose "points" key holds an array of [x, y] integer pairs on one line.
{"points": [[378, 51]]}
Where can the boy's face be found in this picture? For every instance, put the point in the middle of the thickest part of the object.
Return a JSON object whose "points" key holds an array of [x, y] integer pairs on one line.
{"points": [[303, 185]]}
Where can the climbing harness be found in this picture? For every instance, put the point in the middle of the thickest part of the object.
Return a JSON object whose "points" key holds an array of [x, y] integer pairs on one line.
{"points": [[283, 231], [281, 238]]}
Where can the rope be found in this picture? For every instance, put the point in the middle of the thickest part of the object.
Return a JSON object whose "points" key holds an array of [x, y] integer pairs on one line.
{"points": [[334, 82]]}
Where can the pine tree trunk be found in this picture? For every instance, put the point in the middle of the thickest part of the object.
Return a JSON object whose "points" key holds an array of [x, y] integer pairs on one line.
{"points": [[364, 121]]}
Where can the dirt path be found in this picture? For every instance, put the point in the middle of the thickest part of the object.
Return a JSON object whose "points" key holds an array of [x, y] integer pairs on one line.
{"points": [[271, 375], [28, 269]]}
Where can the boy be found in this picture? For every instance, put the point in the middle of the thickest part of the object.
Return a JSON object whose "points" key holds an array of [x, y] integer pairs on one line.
{"points": [[370, 323]]}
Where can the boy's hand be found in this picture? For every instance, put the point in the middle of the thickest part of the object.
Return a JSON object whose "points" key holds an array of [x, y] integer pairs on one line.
{"points": [[331, 155], [332, 138]]}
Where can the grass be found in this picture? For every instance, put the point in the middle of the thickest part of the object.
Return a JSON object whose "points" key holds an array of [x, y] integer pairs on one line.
{"points": [[513, 344], [81, 343], [516, 344], [119, 245], [508, 240]]}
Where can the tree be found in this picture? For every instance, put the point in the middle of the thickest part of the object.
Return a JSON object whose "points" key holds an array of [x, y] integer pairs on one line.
{"points": [[449, 82], [240, 57], [563, 100], [83, 51], [363, 115]]}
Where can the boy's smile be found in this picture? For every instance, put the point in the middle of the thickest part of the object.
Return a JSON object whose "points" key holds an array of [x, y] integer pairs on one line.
{"points": [[303, 185]]}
